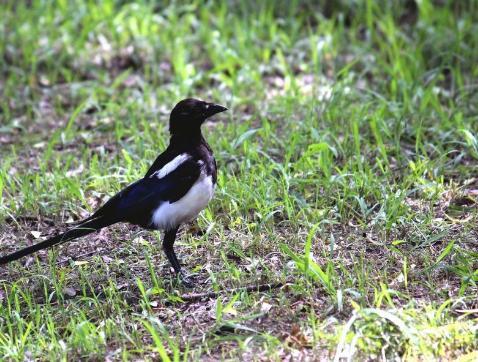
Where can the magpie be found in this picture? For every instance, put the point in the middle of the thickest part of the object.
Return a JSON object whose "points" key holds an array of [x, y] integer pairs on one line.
{"points": [[178, 185]]}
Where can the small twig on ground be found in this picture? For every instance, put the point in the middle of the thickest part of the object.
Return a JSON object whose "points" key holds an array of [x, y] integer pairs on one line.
{"points": [[192, 297]]}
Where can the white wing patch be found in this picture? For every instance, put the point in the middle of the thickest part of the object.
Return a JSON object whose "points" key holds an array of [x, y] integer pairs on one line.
{"points": [[171, 165]]}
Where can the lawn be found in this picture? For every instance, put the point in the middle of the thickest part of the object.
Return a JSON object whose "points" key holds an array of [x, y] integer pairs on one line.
{"points": [[344, 224]]}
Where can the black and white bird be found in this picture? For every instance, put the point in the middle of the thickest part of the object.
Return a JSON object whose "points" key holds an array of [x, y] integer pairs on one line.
{"points": [[178, 185]]}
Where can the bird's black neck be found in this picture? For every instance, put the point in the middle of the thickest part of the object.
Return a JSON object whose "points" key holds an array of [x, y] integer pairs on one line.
{"points": [[194, 137]]}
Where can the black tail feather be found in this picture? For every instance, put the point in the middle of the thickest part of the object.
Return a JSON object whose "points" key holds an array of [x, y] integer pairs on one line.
{"points": [[83, 229]]}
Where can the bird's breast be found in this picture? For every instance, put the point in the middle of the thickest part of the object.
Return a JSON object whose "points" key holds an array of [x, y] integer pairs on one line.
{"points": [[169, 215]]}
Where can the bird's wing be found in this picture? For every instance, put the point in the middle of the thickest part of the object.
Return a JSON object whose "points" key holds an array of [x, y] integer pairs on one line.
{"points": [[136, 202], [160, 161]]}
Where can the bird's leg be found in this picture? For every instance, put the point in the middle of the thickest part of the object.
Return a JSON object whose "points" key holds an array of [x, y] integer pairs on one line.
{"points": [[168, 242]]}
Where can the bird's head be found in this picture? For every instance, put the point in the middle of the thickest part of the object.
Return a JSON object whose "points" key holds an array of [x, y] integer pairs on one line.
{"points": [[189, 114]]}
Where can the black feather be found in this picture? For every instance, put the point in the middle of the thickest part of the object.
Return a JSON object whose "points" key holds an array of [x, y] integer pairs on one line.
{"points": [[76, 232]]}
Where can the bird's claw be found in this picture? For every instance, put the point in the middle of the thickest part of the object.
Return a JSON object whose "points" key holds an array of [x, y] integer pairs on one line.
{"points": [[186, 280]]}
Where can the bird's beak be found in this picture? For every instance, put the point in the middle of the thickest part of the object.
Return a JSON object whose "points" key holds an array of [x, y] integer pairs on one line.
{"points": [[212, 109]]}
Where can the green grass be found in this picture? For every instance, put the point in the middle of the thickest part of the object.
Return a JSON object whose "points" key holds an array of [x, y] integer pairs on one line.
{"points": [[348, 172]]}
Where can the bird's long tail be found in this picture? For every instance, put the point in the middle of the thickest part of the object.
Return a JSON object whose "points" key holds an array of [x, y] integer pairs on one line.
{"points": [[82, 229]]}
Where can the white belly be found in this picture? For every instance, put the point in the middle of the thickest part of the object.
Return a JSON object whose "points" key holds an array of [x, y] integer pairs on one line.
{"points": [[169, 215]]}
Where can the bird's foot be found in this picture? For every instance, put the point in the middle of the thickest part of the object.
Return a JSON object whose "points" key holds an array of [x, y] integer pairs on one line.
{"points": [[186, 279]]}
